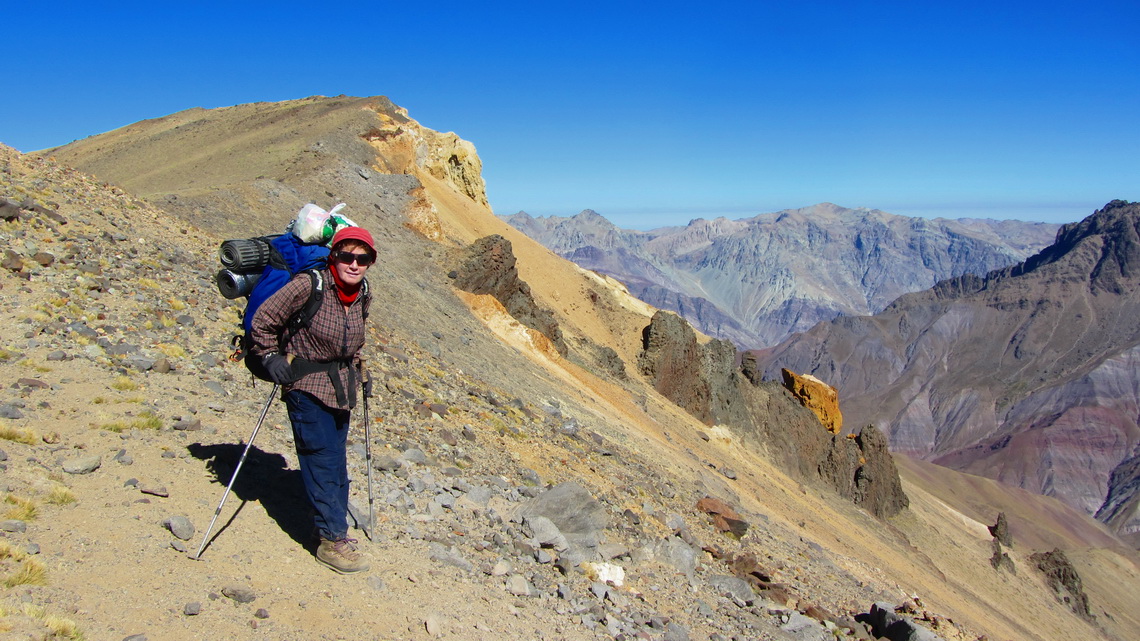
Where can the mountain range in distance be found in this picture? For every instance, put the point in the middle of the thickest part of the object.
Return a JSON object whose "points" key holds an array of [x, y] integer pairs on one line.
{"points": [[1029, 375], [756, 281]]}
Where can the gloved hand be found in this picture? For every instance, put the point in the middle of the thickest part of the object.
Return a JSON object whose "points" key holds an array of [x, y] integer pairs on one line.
{"points": [[280, 371]]}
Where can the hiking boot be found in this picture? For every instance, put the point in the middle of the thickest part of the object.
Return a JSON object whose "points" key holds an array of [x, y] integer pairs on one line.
{"points": [[341, 556]]}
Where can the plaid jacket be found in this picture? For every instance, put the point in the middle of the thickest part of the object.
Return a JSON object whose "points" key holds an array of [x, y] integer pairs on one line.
{"points": [[336, 333]]}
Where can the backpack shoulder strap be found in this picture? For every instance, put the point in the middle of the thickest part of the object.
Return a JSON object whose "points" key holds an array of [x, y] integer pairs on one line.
{"points": [[305, 315], [316, 297]]}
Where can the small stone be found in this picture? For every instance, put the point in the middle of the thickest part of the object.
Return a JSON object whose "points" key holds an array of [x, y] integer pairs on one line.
{"points": [[179, 546], [434, 625], [13, 525], [194, 608], [155, 491], [181, 527], [385, 464], [122, 458], [519, 586], [32, 383], [674, 632], [135, 637], [261, 613], [187, 425], [10, 412], [83, 465], [239, 593]]}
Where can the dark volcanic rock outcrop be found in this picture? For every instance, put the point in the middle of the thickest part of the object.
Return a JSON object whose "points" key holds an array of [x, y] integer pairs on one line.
{"points": [[671, 361], [1030, 375], [489, 268], [706, 382], [1063, 578], [755, 281]]}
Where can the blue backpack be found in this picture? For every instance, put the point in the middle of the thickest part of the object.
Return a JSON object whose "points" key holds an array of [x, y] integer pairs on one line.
{"points": [[279, 258]]}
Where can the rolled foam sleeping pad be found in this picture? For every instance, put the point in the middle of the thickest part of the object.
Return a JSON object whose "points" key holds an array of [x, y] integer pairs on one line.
{"points": [[233, 284], [244, 254]]}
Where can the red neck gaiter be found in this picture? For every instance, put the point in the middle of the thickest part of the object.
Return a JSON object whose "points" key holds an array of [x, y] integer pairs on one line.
{"points": [[346, 294]]}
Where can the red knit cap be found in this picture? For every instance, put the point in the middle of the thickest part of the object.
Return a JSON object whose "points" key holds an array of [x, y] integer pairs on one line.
{"points": [[353, 233]]}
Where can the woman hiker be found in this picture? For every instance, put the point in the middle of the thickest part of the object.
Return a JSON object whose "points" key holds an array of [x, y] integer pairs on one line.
{"points": [[319, 370]]}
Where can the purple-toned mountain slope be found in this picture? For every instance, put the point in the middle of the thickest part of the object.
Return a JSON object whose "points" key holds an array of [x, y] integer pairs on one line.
{"points": [[1029, 375]]}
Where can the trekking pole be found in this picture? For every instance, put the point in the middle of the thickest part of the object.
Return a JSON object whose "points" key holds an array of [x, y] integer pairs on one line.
{"points": [[367, 391], [249, 444]]}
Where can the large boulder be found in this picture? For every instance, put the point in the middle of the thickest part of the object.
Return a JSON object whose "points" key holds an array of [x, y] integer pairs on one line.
{"points": [[1063, 578], [489, 267], [577, 515]]}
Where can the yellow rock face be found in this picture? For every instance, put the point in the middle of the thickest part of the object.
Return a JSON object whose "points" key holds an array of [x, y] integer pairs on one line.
{"points": [[819, 397]]}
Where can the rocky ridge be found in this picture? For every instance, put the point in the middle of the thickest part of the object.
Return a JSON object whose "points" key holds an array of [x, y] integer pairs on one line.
{"points": [[756, 281], [717, 392], [469, 429]]}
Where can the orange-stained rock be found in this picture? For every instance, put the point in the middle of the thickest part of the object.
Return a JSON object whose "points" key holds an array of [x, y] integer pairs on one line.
{"points": [[819, 397]]}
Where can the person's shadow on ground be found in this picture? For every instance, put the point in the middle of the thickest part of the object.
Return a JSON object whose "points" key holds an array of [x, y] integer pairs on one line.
{"points": [[265, 478]]}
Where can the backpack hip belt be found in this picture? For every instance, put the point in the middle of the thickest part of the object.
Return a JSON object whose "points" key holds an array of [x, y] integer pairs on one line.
{"points": [[304, 367]]}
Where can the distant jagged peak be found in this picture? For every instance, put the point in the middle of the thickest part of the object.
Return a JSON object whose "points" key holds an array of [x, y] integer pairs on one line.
{"points": [[718, 226], [1104, 248], [590, 214], [826, 211], [591, 218]]}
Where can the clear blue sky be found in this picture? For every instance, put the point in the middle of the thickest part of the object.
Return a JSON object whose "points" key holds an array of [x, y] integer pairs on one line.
{"points": [[649, 113]]}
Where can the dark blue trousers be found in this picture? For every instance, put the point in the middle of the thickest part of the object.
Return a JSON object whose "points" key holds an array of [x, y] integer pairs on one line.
{"points": [[321, 437]]}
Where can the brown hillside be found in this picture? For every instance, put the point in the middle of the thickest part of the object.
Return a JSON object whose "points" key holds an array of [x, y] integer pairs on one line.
{"points": [[120, 347]]}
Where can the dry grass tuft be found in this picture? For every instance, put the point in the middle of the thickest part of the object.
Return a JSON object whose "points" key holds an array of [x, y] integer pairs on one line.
{"points": [[125, 384], [145, 421], [22, 510], [63, 628], [172, 350], [25, 436], [59, 627], [61, 495], [31, 572], [9, 551]]}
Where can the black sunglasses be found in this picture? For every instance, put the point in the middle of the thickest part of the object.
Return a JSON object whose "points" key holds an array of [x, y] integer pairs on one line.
{"points": [[347, 258]]}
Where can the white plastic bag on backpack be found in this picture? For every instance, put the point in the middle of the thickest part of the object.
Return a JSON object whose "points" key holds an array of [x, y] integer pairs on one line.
{"points": [[315, 225]]}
